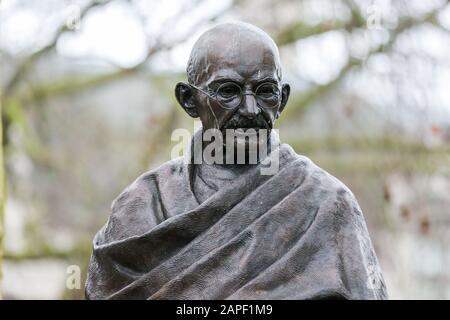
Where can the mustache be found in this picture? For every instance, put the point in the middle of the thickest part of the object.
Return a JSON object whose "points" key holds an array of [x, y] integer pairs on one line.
{"points": [[239, 121]]}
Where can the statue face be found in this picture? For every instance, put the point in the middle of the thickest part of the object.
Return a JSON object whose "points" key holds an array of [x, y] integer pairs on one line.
{"points": [[234, 59], [230, 74]]}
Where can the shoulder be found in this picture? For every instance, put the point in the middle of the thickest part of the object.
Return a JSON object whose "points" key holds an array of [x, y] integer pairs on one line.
{"points": [[337, 205], [145, 184], [137, 208], [325, 187]]}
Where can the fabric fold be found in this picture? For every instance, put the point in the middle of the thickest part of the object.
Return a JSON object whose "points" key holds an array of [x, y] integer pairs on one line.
{"points": [[297, 234]]}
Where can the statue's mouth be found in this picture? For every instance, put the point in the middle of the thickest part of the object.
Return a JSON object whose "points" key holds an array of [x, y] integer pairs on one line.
{"points": [[244, 129], [244, 124]]}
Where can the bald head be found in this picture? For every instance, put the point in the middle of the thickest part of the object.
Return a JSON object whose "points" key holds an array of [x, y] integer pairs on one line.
{"points": [[226, 63], [232, 48]]}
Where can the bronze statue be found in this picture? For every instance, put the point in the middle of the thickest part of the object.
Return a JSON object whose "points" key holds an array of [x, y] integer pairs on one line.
{"points": [[224, 230]]}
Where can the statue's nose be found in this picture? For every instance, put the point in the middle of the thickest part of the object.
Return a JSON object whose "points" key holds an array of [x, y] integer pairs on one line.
{"points": [[249, 107]]}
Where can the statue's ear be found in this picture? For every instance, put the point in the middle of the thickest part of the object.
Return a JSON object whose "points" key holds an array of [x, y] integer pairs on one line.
{"points": [[185, 97], [285, 91]]}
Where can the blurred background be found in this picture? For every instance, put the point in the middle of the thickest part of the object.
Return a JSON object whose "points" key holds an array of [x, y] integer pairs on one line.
{"points": [[88, 105]]}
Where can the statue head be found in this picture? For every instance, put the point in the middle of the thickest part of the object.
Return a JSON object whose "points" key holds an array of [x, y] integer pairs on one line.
{"points": [[234, 79]]}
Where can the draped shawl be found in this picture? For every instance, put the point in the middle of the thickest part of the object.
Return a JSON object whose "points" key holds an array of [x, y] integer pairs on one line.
{"points": [[296, 234]]}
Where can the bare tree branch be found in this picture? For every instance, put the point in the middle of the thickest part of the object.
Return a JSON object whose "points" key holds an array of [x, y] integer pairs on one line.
{"points": [[71, 85], [303, 100], [25, 66]]}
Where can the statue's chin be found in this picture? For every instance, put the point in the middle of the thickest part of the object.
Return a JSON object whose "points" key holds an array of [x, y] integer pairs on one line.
{"points": [[242, 139], [245, 144]]}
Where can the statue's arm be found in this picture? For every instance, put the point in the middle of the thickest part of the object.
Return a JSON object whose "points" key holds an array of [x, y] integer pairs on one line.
{"points": [[134, 212], [361, 272]]}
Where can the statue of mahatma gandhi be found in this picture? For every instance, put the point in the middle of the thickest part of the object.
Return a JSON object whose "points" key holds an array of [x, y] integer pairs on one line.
{"points": [[224, 230]]}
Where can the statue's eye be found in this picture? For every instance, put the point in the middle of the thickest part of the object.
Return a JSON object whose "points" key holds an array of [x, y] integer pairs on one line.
{"points": [[267, 90], [229, 90]]}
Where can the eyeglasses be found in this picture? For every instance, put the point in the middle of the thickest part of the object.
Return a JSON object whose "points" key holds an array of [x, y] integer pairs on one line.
{"points": [[229, 95]]}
